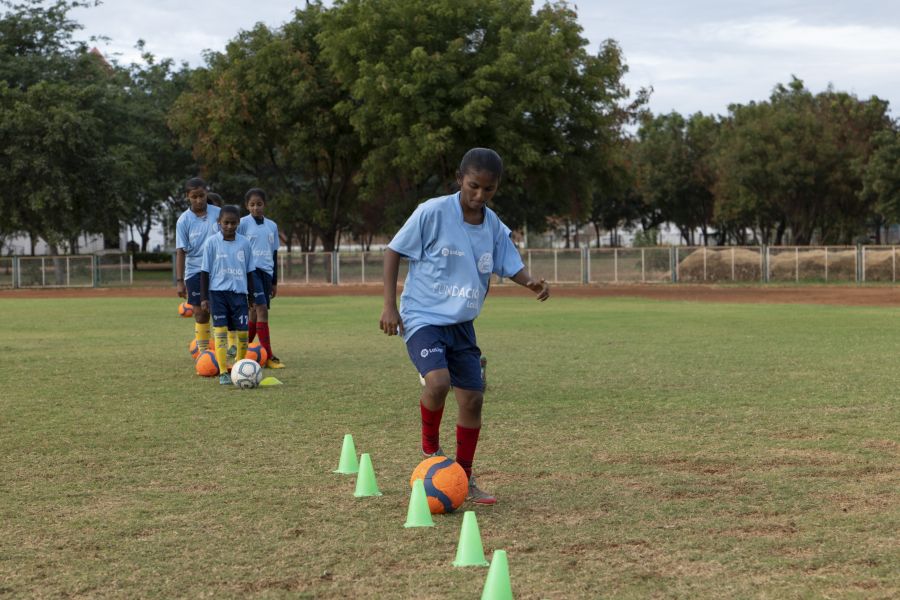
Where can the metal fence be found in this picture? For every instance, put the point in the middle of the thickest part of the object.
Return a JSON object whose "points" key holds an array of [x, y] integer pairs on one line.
{"points": [[683, 264]]}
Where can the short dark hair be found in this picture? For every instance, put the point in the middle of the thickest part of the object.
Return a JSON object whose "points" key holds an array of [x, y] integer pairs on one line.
{"points": [[230, 209], [481, 159], [256, 192], [193, 183], [214, 199]]}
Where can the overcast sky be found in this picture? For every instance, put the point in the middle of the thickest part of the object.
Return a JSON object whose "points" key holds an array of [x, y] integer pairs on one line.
{"points": [[698, 55]]}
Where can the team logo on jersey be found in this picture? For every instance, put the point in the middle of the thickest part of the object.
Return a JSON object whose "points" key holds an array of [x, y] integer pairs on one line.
{"points": [[271, 239], [486, 263], [240, 255]]}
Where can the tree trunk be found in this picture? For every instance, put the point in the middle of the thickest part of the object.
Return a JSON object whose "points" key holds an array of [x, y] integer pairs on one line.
{"points": [[779, 233]]}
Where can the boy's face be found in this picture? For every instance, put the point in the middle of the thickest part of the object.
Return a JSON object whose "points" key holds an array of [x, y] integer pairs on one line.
{"points": [[476, 188], [228, 223], [197, 198], [256, 206]]}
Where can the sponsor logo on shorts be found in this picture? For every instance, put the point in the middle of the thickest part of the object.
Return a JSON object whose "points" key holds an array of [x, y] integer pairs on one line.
{"points": [[426, 351]]}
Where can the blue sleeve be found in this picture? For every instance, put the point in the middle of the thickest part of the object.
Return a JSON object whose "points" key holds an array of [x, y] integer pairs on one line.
{"points": [[182, 240], [507, 261], [412, 238]]}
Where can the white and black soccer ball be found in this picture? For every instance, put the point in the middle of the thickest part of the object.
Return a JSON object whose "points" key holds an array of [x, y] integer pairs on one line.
{"points": [[246, 374]]}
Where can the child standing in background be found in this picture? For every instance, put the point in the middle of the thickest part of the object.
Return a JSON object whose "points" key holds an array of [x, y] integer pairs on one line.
{"points": [[227, 274], [263, 235]]}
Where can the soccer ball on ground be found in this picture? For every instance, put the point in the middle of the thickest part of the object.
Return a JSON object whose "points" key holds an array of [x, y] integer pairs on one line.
{"points": [[257, 352], [246, 373], [446, 484], [206, 364], [185, 310]]}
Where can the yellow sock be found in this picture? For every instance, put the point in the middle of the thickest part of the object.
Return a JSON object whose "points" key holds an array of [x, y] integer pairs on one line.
{"points": [[232, 338], [209, 335], [242, 337], [201, 334], [221, 348]]}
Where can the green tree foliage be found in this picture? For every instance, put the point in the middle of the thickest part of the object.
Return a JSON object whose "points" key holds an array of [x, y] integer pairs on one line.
{"points": [[792, 164], [881, 177], [263, 109], [675, 176], [429, 79]]}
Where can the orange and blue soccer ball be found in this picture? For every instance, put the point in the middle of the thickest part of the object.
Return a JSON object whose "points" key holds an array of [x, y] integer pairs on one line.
{"points": [[206, 364], [257, 352], [185, 310], [446, 484]]}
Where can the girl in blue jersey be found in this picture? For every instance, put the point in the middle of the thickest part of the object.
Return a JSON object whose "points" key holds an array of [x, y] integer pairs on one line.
{"points": [[228, 272], [191, 231], [263, 235], [453, 243]]}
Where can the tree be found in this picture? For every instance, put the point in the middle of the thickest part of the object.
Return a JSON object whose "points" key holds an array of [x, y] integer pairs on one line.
{"points": [[675, 177], [429, 79], [265, 109], [881, 177]]}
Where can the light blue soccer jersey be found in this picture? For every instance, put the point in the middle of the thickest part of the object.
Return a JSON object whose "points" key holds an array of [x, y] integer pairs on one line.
{"points": [[450, 263], [228, 263], [263, 239], [191, 232]]}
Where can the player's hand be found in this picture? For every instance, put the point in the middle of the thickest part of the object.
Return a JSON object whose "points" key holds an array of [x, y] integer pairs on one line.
{"points": [[205, 305], [180, 289], [541, 288], [390, 323], [274, 289]]}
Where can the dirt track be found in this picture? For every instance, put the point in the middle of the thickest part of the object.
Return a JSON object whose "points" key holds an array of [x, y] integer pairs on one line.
{"points": [[812, 294]]}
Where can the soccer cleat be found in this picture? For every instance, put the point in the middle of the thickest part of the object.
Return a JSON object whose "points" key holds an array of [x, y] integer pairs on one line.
{"points": [[225, 379], [479, 496], [438, 452], [274, 363]]}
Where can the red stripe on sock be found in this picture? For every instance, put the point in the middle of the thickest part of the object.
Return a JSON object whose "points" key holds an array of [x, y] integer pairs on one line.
{"points": [[431, 429], [466, 442]]}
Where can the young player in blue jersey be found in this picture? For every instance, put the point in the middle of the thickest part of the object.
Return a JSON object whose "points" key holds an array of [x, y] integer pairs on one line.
{"points": [[454, 243], [228, 272], [263, 235], [191, 231]]}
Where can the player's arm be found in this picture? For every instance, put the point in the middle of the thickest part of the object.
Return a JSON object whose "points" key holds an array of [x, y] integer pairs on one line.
{"points": [[275, 272], [541, 288], [179, 273], [390, 323]]}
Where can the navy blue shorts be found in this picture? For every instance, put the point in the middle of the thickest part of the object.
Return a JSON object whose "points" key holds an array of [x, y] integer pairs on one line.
{"points": [[265, 282], [192, 284], [449, 347], [228, 309]]}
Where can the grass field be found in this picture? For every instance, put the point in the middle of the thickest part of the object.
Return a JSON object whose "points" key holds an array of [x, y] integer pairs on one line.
{"points": [[638, 448]]}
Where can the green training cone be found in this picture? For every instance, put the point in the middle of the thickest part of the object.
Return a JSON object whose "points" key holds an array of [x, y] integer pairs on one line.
{"points": [[365, 479], [496, 584], [348, 464], [469, 552], [418, 515]]}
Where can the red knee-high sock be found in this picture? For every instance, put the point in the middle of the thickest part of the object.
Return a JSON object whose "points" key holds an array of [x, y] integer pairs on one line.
{"points": [[251, 332], [466, 442], [262, 330], [431, 429]]}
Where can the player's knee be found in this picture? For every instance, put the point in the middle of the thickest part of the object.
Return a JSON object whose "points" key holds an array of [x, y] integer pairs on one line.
{"points": [[262, 312], [437, 384]]}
